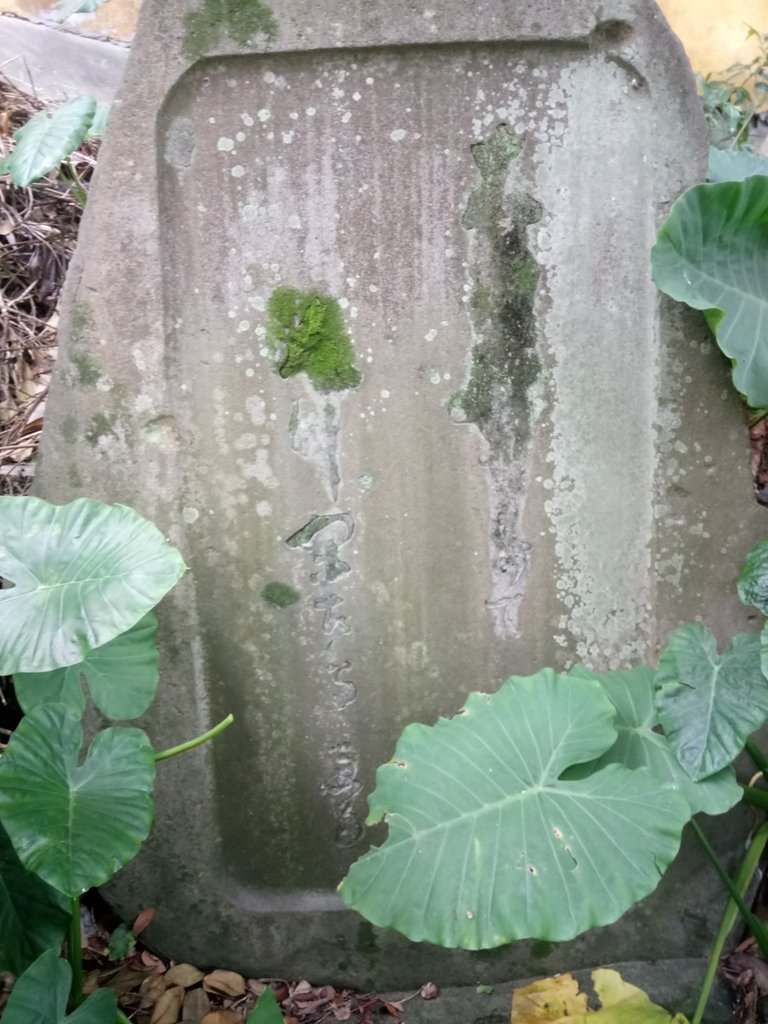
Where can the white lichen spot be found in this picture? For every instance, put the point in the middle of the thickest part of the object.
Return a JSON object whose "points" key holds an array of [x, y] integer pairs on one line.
{"points": [[224, 145], [256, 409], [294, 221], [344, 302], [384, 393], [430, 335], [311, 111], [243, 326], [263, 509], [269, 77], [237, 171], [398, 134], [287, 137], [240, 136], [190, 514], [263, 115], [246, 119], [356, 97]]}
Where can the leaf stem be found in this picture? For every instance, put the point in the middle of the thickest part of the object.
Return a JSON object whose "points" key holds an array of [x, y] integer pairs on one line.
{"points": [[743, 878], [121, 1018], [75, 954], [755, 797], [190, 744], [757, 756], [755, 925]]}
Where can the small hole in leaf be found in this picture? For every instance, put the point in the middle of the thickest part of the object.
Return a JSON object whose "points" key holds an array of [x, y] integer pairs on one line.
{"points": [[532, 869], [401, 764], [470, 915]]}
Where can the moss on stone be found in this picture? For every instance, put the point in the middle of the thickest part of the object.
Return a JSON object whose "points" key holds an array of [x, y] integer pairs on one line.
{"points": [[87, 369], [280, 594], [306, 334], [504, 360], [239, 20], [100, 425]]}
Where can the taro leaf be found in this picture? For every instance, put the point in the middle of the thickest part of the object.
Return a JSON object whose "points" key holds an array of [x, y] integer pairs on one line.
{"points": [[266, 1010], [33, 916], [83, 573], [709, 703], [46, 139], [487, 844], [99, 123], [66, 8], [74, 824], [711, 253], [753, 578], [631, 692], [121, 942], [734, 164], [40, 997], [121, 675]]}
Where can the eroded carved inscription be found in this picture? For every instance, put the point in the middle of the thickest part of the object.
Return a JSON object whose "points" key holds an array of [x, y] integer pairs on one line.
{"points": [[322, 537]]}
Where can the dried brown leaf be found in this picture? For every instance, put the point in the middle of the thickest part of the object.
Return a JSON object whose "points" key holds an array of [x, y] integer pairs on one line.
{"points": [[429, 990], [151, 989], [167, 1009], [196, 1006], [225, 983], [185, 975], [223, 1017], [143, 918]]}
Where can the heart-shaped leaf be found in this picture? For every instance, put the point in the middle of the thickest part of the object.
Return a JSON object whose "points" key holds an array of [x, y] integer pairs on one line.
{"points": [[631, 692], [734, 164], [487, 844], [40, 997], [266, 1010], [83, 574], [33, 916], [709, 703], [711, 254], [121, 675], [75, 824], [753, 578], [46, 139]]}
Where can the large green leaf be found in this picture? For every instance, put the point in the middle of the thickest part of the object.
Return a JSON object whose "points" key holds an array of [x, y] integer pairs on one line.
{"points": [[734, 164], [711, 253], [638, 745], [40, 997], [74, 824], [487, 844], [121, 675], [46, 139], [33, 916], [83, 573], [709, 703], [753, 578]]}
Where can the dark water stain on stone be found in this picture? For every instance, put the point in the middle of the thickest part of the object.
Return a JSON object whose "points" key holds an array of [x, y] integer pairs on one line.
{"points": [[504, 360]]}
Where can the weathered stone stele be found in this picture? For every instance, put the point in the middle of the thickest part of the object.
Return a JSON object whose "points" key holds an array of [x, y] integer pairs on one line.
{"points": [[362, 317]]}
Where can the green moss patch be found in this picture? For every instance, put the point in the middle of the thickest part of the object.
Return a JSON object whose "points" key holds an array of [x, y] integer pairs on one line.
{"points": [[240, 20], [280, 595], [306, 334]]}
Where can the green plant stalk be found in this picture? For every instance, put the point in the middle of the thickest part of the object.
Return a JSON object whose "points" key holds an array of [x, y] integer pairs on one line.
{"points": [[755, 797], [197, 741], [758, 757], [743, 878], [121, 1018], [755, 925], [75, 954]]}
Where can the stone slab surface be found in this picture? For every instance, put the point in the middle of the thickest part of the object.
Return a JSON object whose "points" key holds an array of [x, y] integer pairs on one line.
{"points": [[57, 65], [527, 458]]}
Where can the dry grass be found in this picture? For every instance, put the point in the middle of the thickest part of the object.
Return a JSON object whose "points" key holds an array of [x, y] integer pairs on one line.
{"points": [[38, 232]]}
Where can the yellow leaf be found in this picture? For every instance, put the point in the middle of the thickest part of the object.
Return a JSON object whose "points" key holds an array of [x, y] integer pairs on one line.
{"points": [[625, 1004], [558, 1001], [549, 1000]]}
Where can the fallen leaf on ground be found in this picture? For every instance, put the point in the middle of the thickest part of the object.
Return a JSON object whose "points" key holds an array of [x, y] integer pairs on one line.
{"points": [[143, 918], [196, 1006], [223, 1017], [559, 1000], [185, 975], [429, 990], [151, 989], [167, 1009], [225, 983]]}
